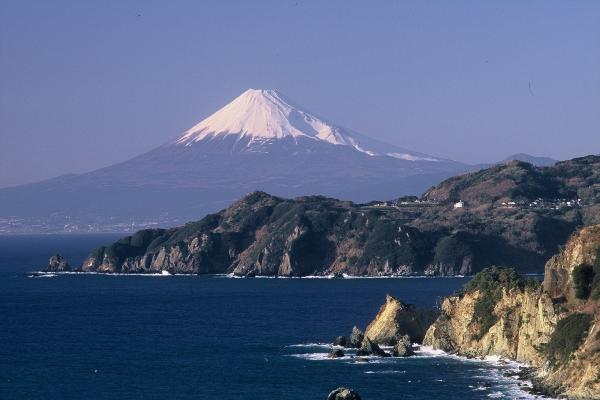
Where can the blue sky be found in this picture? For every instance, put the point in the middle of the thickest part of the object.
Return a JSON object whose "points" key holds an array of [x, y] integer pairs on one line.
{"points": [[84, 84]]}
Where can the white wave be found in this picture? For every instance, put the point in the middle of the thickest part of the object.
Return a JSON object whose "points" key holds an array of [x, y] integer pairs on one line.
{"points": [[344, 276], [162, 273], [319, 357], [392, 371], [233, 276], [327, 345], [512, 385], [44, 275]]}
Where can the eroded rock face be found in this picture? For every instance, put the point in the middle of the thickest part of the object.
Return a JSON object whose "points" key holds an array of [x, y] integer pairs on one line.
{"points": [[57, 263], [523, 321], [396, 319], [343, 394]]}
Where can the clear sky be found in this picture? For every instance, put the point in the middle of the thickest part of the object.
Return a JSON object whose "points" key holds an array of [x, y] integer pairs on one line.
{"points": [[85, 84]]}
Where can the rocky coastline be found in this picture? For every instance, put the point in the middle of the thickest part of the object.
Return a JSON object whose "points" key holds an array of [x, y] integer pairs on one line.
{"points": [[553, 326]]}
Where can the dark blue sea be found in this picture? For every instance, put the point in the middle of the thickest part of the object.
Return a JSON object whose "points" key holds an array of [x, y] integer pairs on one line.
{"points": [[180, 337]]}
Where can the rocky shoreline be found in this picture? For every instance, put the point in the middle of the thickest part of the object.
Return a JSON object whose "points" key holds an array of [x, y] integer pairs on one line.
{"points": [[388, 336], [552, 327]]}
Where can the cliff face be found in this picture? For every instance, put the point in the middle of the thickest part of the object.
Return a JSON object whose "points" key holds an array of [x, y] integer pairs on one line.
{"points": [[524, 321], [267, 235], [580, 250], [553, 327]]}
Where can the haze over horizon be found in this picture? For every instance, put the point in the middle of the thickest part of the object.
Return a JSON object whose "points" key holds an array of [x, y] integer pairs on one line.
{"points": [[84, 86]]}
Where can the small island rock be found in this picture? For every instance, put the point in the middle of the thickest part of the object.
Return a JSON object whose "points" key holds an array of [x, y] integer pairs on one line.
{"points": [[340, 341], [335, 353], [57, 263], [343, 394]]}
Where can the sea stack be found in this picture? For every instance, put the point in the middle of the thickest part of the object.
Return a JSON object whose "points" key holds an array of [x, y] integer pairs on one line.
{"points": [[57, 263]]}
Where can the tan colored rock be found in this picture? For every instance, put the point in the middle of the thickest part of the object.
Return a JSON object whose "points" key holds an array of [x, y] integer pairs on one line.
{"points": [[580, 249], [525, 321], [395, 319]]}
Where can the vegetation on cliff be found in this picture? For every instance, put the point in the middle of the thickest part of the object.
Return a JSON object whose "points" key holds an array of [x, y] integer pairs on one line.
{"points": [[568, 336], [586, 280]]}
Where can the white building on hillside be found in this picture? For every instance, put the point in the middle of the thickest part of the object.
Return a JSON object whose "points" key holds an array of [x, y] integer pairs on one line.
{"points": [[459, 204]]}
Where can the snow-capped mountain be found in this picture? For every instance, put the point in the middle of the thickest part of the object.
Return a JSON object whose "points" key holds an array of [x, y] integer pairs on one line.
{"points": [[265, 115], [259, 141]]}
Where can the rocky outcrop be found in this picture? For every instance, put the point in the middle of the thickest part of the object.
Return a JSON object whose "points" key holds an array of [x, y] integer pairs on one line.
{"points": [[356, 337], [57, 263], [335, 353], [340, 341], [546, 326], [343, 394], [396, 319], [403, 348], [368, 348]]}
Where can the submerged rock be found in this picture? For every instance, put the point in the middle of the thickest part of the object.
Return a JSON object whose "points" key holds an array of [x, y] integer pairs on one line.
{"points": [[340, 341], [343, 393], [368, 348], [403, 348], [335, 353], [57, 263], [356, 338]]}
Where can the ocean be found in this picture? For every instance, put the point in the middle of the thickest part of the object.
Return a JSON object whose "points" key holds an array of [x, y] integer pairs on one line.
{"points": [[189, 337]]}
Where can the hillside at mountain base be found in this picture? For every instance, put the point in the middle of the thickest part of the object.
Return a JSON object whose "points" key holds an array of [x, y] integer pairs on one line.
{"points": [[554, 326], [506, 223]]}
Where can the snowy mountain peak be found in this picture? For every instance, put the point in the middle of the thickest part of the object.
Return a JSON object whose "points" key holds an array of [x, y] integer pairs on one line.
{"points": [[264, 115]]}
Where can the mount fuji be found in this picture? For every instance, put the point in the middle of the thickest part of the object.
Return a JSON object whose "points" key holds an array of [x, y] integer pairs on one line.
{"points": [[259, 141]]}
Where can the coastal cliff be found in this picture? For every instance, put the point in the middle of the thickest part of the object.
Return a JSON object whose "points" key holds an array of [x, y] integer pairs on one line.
{"points": [[553, 326]]}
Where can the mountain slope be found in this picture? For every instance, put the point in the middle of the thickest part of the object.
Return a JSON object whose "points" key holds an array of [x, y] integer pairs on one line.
{"points": [[260, 141], [534, 160]]}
